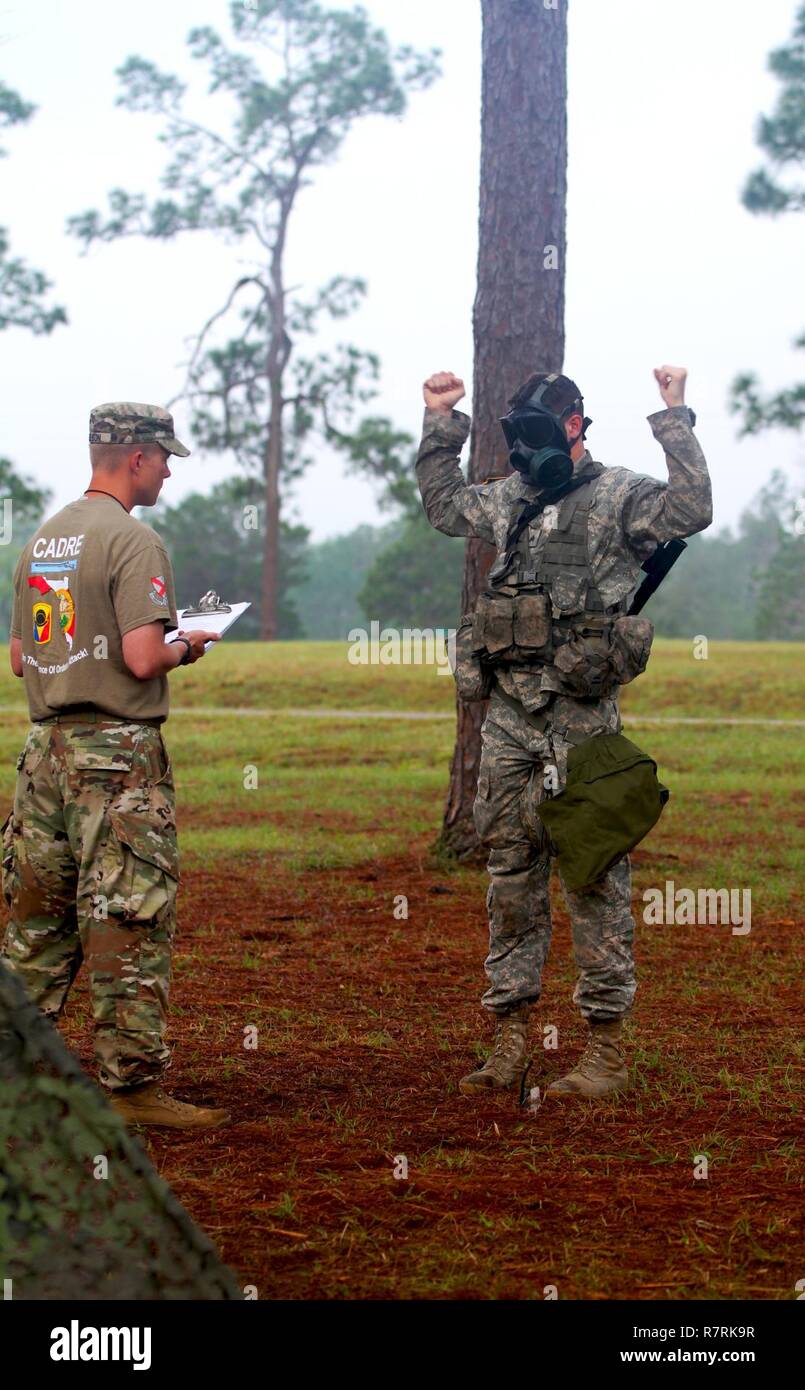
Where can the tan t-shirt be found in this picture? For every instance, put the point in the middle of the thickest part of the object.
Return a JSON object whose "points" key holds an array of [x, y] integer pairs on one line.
{"points": [[91, 574]]}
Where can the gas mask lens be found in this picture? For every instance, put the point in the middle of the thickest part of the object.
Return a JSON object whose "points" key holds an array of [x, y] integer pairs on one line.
{"points": [[537, 430]]}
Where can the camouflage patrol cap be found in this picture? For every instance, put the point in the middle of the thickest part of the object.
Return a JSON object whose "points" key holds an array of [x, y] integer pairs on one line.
{"points": [[129, 422], [561, 396]]}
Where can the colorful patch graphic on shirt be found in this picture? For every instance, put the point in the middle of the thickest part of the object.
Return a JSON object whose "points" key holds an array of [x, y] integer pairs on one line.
{"points": [[159, 590], [67, 614], [43, 614], [66, 603], [52, 567]]}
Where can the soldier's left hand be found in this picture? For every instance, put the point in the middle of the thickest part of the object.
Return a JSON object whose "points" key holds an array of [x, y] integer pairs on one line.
{"points": [[198, 641], [672, 384]]}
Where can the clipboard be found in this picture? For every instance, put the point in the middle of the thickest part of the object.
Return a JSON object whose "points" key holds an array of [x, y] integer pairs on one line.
{"points": [[191, 620]]}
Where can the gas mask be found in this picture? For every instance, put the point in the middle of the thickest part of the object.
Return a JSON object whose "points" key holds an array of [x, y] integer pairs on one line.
{"points": [[539, 446]]}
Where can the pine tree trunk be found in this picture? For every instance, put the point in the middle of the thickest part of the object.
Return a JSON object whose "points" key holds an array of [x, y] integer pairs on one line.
{"points": [[272, 465], [279, 348], [518, 319]]}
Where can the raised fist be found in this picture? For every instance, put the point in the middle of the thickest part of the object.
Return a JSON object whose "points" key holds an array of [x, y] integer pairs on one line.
{"points": [[672, 384], [442, 391]]}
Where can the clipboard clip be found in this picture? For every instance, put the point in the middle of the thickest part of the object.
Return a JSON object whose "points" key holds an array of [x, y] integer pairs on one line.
{"points": [[208, 603]]}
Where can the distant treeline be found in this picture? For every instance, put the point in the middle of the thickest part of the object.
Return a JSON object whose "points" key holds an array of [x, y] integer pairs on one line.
{"points": [[748, 584], [743, 584]]}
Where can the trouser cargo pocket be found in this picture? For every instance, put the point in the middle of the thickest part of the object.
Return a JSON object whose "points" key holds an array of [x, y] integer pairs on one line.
{"points": [[142, 868], [533, 794], [9, 859]]}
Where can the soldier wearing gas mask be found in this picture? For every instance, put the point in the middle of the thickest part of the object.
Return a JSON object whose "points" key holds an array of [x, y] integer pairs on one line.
{"points": [[549, 644]]}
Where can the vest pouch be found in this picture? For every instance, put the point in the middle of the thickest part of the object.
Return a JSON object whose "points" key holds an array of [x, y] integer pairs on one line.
{"points": [[493, 623], [631, 645], [569, 591], [584, 664], [472, 673], [532, 626]]}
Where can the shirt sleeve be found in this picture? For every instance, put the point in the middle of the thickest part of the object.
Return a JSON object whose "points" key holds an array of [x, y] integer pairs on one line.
{"points": [[16, 610], [143, 591], [655, 511], [451, 504]]}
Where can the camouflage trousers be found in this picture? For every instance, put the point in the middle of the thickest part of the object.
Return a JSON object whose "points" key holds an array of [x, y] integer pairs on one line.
{"points": [[90, 869], [517, 765]]}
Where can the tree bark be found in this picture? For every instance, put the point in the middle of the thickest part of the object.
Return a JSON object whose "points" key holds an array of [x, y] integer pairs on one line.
{"points": [[518, 318], [276, 362], [272, 466]]}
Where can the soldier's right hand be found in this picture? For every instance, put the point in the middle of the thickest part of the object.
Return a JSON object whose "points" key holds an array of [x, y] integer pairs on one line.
{"points": [[197, 640], [442, 391]]}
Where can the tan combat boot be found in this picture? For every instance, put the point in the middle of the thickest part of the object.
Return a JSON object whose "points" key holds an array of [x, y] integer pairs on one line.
{"points": [[150, 1105], [601, 1070], [509, 1057]]}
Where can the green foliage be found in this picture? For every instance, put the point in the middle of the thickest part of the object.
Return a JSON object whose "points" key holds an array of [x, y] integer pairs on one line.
{"points": [[21, 292], [320, 71], [714, 587], [379, 451], [22, 289], [13, 110], [738, 586], [293, 85], [415, 581], [785, 410], [724, 586], [211, 548], [780, 612], [327, 599], [29, 500], [782, 137]]}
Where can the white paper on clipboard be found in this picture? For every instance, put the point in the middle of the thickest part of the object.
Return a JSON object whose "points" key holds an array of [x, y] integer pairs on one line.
{"points": [[207, 622]]}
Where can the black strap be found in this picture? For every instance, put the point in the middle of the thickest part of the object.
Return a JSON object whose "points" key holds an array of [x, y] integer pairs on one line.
{"points": [[532, 509], [104, 493], [656, 567], [548, 498]]}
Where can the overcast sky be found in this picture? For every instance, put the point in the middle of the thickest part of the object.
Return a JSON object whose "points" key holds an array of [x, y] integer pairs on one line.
{"points": [[664, 264]]}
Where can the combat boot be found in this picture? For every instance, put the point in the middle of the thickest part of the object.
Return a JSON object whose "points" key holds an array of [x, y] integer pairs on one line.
{"points": [[509, 1057], [151, 1105], [601, 1069]]}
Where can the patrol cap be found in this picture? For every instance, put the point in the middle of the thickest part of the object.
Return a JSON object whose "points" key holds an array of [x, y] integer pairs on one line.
{"points": [[129, 422], [560, 396]]}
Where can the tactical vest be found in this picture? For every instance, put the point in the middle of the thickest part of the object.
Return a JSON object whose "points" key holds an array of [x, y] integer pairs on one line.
{"points": [[552, 619]]}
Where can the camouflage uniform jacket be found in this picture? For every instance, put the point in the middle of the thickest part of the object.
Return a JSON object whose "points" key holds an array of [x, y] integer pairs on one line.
{"points": [[630, 513]]}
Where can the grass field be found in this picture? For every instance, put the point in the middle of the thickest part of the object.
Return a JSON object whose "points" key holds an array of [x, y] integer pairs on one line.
{"points": [[366, 1022]]}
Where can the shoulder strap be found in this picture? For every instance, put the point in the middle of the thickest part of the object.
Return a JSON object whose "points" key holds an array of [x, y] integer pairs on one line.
{"points": [[575, 506], [548, 499]]}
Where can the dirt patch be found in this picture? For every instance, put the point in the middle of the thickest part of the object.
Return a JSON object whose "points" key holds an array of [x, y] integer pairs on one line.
{"points": [[366, 1020]]}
